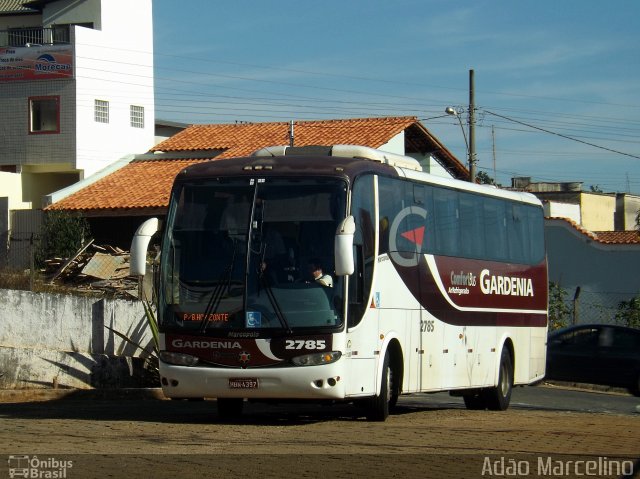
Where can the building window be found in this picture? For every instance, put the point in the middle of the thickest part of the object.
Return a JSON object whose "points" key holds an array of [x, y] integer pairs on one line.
{"points": [[101, 113], [137, 116], [44, 114]]}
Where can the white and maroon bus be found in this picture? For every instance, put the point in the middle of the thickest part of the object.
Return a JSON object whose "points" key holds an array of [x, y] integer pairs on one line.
{"points": [[437, 284]]}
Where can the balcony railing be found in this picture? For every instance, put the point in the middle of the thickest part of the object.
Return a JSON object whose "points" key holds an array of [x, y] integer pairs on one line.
{"points": [[23, 37]]}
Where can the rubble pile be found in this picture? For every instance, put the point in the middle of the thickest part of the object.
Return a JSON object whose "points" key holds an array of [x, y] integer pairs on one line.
{"points": [[94, 268]]}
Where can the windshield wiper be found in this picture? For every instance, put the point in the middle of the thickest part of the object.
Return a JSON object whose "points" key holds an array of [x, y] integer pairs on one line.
{"points": [[224, 283], [274, 302]]}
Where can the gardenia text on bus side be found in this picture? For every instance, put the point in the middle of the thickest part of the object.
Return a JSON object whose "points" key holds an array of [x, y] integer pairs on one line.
{"points": [[505, 285]]}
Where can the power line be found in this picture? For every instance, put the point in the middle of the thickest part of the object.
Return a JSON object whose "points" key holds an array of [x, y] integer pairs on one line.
{"points": [[563, 136]]}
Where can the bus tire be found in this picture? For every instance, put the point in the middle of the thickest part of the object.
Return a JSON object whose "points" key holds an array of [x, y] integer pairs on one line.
{"points": [[475, 401], [635, 387], [498, 398], [378, 406], [230, 408]]}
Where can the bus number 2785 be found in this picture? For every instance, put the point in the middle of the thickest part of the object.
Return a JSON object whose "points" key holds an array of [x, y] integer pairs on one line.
{"points": [[305, 344], [427, 326]]}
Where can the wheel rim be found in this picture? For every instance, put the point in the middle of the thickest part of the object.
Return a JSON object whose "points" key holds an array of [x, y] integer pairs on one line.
{"points": [[504, 379], [389, 385]]}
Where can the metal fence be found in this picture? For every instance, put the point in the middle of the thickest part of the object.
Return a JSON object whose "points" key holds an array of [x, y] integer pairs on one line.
{"points": [[600, 307], [21, 37], [23, 237]]}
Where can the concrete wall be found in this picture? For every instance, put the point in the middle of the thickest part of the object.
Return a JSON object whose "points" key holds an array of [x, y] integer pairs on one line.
{"points": [[51, 340], [20, 21], [18, 146], [627, 207], [553, 209], [4, 231], [605, 273], [11, 187], [598, 211]]}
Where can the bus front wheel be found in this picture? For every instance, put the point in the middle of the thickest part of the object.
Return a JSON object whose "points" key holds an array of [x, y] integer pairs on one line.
{"points": [[377, 407]]}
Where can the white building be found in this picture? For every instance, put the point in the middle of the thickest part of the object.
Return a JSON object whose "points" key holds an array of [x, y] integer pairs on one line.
{"points": [[76, 91]]}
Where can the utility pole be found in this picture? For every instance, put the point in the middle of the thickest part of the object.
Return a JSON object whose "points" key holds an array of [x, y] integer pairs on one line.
{"points": [[472, 130], [291, 134], [493, 141]]}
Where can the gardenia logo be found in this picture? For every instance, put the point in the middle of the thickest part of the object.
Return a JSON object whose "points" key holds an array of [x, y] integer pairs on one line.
{"points": [[505, 285]]}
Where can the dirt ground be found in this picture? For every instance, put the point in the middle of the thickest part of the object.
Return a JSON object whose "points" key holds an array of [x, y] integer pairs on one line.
{"points": [[162, 438]]}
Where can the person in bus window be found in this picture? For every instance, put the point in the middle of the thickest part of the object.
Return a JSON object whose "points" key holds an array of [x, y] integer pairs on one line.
{"points": [[318, 275]]}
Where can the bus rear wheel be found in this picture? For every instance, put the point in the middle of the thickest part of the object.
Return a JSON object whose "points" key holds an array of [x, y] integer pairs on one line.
{"points": [[498, 398], [230, 408]]}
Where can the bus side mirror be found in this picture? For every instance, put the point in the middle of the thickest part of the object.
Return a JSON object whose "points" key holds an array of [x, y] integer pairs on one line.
{"points": [[139, 245], [343, 247]]}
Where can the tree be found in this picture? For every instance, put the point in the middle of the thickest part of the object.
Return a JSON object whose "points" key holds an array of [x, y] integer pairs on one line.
{"points": [[558, 310], [63, 234], [628, 313], [595, 189], [484, 179]]}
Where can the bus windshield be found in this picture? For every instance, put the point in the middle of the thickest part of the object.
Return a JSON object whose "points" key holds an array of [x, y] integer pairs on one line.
{"points": [[245, 254]]}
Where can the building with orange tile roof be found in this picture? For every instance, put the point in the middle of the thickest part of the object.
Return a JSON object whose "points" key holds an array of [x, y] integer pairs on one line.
{"points": [[121, 193], [60, 125], [141, 187]]}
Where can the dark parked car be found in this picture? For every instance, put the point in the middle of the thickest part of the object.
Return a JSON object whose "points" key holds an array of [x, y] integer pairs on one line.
{"points": [[595, 354]]}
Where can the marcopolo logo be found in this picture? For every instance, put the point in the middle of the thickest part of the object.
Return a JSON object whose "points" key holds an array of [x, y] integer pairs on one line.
{"points": [[35, 467]]}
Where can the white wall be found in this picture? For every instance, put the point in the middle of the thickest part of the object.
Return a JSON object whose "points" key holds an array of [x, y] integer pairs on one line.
{"points": [[429, 164], [114, 65], [62, 339], [11, 187], [553, 209], [395, 144]]}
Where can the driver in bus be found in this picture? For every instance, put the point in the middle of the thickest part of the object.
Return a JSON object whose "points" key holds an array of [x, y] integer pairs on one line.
{"points": [[318, 275]]}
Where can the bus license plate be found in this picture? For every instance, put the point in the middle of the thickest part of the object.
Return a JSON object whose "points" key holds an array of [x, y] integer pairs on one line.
{"points": [[243, 383]]}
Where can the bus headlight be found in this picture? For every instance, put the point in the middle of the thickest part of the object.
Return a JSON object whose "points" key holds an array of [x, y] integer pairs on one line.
{"points": [[316, 359], [179, 359]]}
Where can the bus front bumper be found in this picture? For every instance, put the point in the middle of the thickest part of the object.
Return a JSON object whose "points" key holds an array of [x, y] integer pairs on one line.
{"points": [[304, 382]]}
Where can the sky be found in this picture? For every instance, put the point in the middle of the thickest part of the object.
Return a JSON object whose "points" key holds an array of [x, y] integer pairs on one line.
{"points": [[556, 82]]}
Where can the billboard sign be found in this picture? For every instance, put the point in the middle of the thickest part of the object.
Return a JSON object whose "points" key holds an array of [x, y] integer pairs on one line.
{"points": [[47, 62]]}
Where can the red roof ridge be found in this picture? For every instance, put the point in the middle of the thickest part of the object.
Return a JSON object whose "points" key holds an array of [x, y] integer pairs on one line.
{"points": [[604, 237]]}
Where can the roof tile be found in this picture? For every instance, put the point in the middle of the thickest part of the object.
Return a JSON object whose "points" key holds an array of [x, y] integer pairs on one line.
{"points": [[14, 6], [140, 184], [147, 184], [244, 139], [618, 237], [604, 237]]}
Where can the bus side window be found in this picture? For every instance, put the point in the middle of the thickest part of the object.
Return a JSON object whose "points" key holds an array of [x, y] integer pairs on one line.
{"points": [[447, 218], [362, 209]]}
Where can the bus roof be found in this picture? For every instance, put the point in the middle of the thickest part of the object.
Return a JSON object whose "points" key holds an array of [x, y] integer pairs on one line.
{"points": [[316, 162]]}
